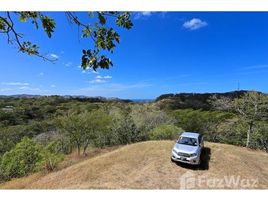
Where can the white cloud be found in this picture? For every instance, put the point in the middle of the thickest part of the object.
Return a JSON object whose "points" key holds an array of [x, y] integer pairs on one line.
{"points": [[52, 55], [257, 67], [98, 81], [101, 79], [53, 86], [194, 24], [68, 64], [107, 77], [5, 89], [143, 14], [146, 13], [110, 88], [95, 72], [29, 88], [41, 74], [15, 83], [23, 88]]}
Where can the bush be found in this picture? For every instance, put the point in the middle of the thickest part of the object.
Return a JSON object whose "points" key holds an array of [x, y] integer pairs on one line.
{"points": [[165, 132], [51, 156], [260, 136], [27, 157], [205, 122], [21, 160]]}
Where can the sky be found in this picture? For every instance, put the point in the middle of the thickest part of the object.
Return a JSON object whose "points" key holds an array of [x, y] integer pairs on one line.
{"points": [[164, 52]]}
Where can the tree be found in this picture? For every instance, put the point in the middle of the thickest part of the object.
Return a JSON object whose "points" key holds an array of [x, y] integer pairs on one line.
{"points": [[147, 117], [73, 127], [123, 128], [205, 122], [260, 136], [223, 103], [97, 124], [84, 128], [165, 132], [252, 107], [103, 36]]}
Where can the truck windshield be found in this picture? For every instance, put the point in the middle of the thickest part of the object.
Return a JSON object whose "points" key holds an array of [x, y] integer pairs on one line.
{"points": [[187, 141]]}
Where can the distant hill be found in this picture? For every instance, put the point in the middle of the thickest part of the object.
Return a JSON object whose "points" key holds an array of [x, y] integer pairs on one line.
{"points": [[66, 97], [142, 100], [193, 100]]}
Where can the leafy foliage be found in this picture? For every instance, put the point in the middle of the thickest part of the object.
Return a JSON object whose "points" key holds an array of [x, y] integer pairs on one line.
{"points": [[21, 160], [205, 122], [51, 157], [251, 108], [27, 157], [260, 136], [82, 129], [103, 37], [123, 128], [165, 132]]}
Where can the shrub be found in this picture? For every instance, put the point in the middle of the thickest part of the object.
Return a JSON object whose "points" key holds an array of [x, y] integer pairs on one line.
{"points": [[51, 157], [165, 132], [205, 122], [21, 160], [27, 157], [260, 136]]}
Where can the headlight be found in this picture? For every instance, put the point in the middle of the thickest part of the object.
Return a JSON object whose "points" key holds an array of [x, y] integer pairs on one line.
{"points": [[173, 150], [193, 154]]}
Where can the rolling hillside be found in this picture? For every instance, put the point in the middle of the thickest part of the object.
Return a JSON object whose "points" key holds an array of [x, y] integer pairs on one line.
{"points": [[147, 165]]}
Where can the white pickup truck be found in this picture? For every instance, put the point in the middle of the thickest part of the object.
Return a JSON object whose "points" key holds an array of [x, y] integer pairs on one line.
{"points": [[188, 148]]}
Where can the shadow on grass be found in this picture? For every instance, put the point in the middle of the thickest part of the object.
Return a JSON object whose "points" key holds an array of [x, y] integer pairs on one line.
{"points": [[204, 165]]}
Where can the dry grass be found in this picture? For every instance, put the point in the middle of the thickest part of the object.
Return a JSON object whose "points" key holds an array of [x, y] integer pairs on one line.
{"points": [[71, 159], [147, 165]]}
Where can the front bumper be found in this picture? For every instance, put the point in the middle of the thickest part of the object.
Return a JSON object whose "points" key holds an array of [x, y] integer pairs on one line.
{"points": [[190, 160]]}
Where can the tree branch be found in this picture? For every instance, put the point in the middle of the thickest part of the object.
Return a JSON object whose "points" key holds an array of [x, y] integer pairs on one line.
{"points": [[17, 37]]}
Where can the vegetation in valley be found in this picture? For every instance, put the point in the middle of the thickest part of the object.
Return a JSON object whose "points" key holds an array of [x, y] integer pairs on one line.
{"points": [[36, 133]]}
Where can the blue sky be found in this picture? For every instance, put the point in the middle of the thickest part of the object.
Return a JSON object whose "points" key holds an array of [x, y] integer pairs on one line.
{"points": [[169, 52]]}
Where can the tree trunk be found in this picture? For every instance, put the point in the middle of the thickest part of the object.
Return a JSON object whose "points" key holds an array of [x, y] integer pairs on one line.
{"points": [[78, 150], [85, 148], [249, 134], [84, 151]]}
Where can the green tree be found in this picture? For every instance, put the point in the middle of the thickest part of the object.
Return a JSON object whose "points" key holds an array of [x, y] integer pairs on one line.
{"points": [[123, 128], [260, 136], [165, 132], [96, 131], [205, 122], [84, 128], [147, 117], [102, 35], [252, 107]]}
